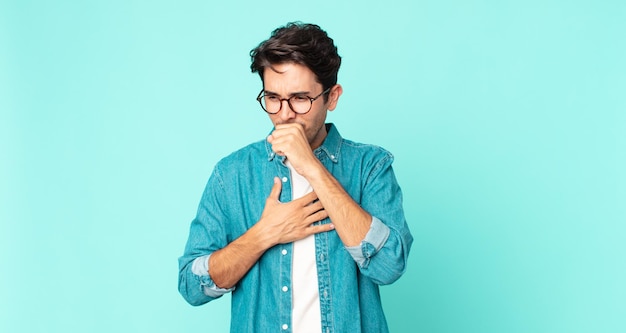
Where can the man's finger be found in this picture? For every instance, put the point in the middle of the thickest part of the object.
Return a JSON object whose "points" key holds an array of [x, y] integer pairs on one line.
{"points": [[276, 188], [317, 216], [314, 207], [316, 229], [288, 125]]}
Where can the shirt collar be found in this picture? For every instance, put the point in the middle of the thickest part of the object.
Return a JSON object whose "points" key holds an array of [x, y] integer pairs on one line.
{"points": [[331, 145]]}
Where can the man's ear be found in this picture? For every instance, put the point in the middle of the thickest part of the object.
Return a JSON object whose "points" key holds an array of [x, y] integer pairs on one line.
{"points": [[333, 96]]}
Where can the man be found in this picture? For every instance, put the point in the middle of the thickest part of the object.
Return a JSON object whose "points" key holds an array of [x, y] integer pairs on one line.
{"points": [[301, 227]]}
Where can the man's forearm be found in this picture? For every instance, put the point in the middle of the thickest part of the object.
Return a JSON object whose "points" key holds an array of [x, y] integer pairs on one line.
{"points": [[228, 265], [351, 221]]}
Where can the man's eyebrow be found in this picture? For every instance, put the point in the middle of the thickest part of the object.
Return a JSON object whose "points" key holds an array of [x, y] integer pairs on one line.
{"points": [[268, 92]]}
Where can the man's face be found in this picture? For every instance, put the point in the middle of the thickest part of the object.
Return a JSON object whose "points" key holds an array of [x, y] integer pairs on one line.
{"points": [[289, 79]]}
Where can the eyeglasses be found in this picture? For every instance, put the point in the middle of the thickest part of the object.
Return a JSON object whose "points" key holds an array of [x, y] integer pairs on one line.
{"points": [[301, 104]]}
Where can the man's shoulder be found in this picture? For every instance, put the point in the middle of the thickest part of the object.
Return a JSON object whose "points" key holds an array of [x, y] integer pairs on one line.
{"points": [[364, 149], [246, 154], [337, 145]]}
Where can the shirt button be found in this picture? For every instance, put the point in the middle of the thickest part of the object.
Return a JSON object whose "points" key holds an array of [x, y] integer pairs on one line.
{"points": [[285, 327], [322, 257], [325, 293], [285, 288], [284, 252], [285, 179]]}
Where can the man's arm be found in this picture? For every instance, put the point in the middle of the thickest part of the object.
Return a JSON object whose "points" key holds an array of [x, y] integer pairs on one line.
{"points": [[376, 235], [227, 263], [351, 221]]}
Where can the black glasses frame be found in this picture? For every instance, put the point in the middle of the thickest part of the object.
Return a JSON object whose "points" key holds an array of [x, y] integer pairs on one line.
{"points": [[312, 99]]}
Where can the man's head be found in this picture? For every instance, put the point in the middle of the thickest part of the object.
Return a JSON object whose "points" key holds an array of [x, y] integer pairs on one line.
{"points": [[303, 44], [298, 64]]}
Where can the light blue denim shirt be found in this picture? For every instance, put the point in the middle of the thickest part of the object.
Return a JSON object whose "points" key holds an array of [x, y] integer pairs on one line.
{"points": [[348, 277]]}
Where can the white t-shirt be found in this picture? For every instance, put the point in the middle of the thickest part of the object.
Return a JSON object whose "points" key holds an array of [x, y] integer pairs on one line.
{"points": [[306, 316]]}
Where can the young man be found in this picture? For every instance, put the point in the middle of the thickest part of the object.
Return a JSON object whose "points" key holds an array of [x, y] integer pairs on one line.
{"points": [[301, 227]]}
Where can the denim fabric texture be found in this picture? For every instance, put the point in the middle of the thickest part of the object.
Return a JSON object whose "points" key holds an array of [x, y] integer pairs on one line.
{"points": [[349, 278]]}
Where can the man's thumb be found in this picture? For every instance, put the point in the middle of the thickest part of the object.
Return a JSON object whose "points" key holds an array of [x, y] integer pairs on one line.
{"points": [[276, 188]]}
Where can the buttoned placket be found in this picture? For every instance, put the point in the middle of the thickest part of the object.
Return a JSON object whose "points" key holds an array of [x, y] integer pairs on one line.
{"points": [[286, 253]]}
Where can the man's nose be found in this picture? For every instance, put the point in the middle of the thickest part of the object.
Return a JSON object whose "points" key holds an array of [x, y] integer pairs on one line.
{"points": [[286, 112]]}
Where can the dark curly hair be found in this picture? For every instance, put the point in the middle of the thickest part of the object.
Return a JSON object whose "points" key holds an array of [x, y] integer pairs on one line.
{"points": [[300, 43]]}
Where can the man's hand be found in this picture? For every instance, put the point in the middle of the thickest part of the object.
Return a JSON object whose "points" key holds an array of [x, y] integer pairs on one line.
{"points": [[291, 221], [290, 140]]}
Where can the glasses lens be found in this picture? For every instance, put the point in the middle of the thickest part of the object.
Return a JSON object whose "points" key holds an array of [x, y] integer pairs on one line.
{"points": [[300, 104], [270, 103]]}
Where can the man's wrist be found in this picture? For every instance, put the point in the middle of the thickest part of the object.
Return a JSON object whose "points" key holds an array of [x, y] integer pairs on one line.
{"points": [[257, 236], [314, 172]]}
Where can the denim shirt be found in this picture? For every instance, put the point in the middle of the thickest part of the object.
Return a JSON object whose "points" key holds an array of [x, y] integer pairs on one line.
{"points": [[348, 277]]}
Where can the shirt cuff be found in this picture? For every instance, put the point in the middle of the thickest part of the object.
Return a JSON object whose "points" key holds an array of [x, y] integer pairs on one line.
{"points": [[371, 244], [200, 267]]}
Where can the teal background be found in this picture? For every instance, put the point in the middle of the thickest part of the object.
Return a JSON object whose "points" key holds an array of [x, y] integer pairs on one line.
{"points": [[507, 120]]}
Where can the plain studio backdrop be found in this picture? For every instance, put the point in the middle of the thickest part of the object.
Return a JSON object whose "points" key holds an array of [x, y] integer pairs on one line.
{"points": [[507, 120]]}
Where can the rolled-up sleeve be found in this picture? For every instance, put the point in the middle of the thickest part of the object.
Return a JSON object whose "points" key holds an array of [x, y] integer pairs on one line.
{"points": [[206, 235], [383, 254], [200, 267], [371, 244]]}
